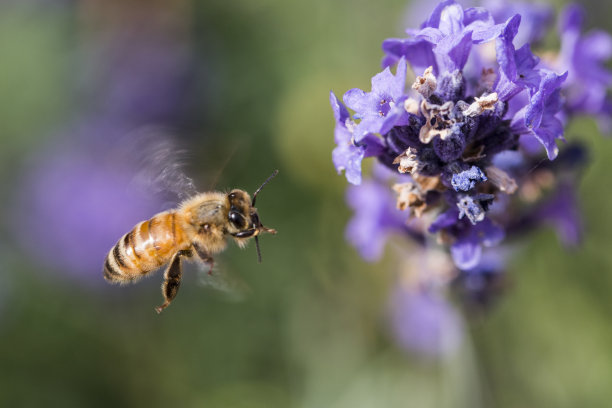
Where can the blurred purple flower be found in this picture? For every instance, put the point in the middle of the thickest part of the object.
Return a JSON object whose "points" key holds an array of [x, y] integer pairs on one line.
{"points": [[467, 249], [145, 78], [479, 287], [79, 198], [536, 18], [75, 205], [585, 56], [424, 322]]}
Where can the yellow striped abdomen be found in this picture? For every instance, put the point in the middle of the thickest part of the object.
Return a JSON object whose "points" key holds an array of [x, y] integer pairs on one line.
{"points": [[145, 248]]}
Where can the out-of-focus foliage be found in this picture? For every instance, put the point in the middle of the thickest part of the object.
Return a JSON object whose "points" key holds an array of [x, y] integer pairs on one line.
{"points": [[312, 330]]}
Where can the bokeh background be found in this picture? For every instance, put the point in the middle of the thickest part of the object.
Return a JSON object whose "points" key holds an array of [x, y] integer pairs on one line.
{"points": [[242, 87]]}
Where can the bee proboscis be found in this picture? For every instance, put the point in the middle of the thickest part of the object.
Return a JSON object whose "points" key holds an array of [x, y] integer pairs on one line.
{"points": [[197, 229]]}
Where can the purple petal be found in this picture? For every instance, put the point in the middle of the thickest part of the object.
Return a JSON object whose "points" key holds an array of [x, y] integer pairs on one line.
{"points": [[370, 124], [482, 33], [453, 51], [488, 233], [549, 87], [505, 52], [479, 21], [418, 52], [549, 131], [466, 253], [380, 109], [373, 146], [479, 15], [357, 100], [585, 57], [525, 64], [451, 20], [598, 44], [571, 18], [348, 158], [387, 84], [447, 219], [341, 114], [430, 34], [536, 18], [467, 249], [434, 18], [375, 218], [563, 212]]}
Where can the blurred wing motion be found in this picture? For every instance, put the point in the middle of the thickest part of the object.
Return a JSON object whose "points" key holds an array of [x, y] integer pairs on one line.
{"points": [[231, 286], [160, 162]]}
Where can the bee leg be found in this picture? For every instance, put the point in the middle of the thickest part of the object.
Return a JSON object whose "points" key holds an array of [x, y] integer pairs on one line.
{"points": [[172, 281], [205, 257], [210, 261]]}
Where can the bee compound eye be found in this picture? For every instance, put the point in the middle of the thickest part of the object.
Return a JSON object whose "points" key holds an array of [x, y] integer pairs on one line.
{"points": [[236, 219]]}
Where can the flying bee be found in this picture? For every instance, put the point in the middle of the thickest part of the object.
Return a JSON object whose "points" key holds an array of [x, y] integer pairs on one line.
{"points": [[199, 228]]}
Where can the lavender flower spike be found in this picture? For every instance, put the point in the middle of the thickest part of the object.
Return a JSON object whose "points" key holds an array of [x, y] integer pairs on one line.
{"points": [[449, 142]]}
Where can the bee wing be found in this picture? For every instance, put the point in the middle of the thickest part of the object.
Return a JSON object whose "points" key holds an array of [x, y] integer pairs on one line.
{"points": [[231, 286], [160, 162]]}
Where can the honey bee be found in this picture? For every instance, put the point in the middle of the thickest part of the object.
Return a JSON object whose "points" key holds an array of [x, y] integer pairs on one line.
{"points": [[199, 228]]}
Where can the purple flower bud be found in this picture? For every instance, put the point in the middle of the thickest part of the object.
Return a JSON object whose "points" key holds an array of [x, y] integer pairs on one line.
{"points": [[474, 207], [451, 86], [451, 148], [467, 179]]}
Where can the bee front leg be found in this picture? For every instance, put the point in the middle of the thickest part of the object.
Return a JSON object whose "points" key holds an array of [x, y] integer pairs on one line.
{"points": [[205, 257], [172, 281]]}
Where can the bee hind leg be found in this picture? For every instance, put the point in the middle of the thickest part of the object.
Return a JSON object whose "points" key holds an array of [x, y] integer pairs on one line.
{"points": [[172, 281]]}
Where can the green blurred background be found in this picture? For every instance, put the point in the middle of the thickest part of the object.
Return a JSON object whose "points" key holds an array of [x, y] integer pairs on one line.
{"points": [[312, 330]]}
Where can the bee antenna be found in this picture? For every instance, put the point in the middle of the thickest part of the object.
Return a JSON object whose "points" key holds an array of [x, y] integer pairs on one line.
{"points": [[274, 173], [258, 250]]}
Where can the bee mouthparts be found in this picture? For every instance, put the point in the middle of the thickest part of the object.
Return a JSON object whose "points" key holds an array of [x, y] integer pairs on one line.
{"points": [[268, 230]]}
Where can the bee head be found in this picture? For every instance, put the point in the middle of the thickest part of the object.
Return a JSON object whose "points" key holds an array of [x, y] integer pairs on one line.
{"points": [[243, 215]]}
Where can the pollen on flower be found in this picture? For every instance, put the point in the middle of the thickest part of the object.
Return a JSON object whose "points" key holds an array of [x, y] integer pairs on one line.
{"points": [[411, 106], [426, 84], [414, 194], [407, 161], [409, 196], [467, 179], [474, 207], [437, 121], [486, 102]]}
